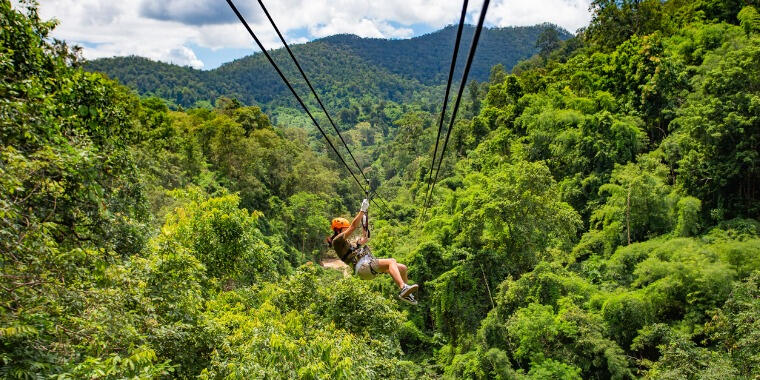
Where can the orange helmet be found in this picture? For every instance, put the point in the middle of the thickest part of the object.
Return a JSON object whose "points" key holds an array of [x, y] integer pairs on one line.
{"points": [[339, 223]]}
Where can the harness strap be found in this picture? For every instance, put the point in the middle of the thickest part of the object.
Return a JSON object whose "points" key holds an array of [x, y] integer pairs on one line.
{"points": [[365, 223]]}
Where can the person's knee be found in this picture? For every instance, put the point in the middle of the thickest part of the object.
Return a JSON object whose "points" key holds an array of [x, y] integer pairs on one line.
{"points": [[401, 266]]}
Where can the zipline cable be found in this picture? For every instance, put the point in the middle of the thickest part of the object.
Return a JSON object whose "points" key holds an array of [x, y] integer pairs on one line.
{"points": [[468, 65], [374, 192], [448, 88], [295, 94], [446, 96], [381, 199], [314, 92]]}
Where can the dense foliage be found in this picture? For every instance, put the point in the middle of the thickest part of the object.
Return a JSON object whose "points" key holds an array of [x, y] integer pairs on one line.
{"points": [[597, 215]]}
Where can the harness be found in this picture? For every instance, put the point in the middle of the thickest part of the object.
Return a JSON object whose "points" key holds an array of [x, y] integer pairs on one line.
{"points": [[355, 253]]}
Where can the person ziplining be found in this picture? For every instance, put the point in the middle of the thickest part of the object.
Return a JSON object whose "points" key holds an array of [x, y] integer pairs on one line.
{"points": [[357, 255]]}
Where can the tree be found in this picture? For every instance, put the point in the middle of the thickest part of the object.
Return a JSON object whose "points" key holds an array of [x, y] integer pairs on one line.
{"points": [[749, 20], [223, 237], [306, 218], [735, 329], [547, 42], [639, 205], [474, 93], [516, 210], [251, 118], [498, 73], [615, 21], [367, 133], [717, 140]]}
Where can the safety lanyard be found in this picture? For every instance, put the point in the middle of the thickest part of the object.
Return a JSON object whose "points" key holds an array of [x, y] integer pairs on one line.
{"points": [[365, 223]]}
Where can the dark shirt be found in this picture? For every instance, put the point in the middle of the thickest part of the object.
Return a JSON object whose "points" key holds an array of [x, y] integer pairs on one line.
{"points": [[342, 247]]}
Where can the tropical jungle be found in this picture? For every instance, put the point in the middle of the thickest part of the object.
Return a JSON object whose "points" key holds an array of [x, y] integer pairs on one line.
{"points": [[596, 215]]}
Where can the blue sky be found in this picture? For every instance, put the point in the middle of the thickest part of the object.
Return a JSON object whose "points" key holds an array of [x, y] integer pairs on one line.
{"points": [[205, 33]]}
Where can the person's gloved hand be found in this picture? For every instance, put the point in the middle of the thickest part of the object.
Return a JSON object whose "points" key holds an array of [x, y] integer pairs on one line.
{"points": [[365, 205]]}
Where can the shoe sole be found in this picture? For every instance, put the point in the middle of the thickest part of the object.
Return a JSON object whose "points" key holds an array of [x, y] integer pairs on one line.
{"points": [[410, 289], [407, 301]]}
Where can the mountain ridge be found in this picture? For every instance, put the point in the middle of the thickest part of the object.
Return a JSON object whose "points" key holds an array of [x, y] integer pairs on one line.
{"points": [[340, 66]]}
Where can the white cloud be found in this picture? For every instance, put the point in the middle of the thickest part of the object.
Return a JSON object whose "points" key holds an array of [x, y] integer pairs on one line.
{"points": [[184, 56], [362, 28], [108, 28], [569, 14], [164, 30]]}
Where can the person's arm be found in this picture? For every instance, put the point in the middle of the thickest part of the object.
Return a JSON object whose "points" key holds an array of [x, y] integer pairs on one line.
{"points": [[364, 239], [356, 222]]}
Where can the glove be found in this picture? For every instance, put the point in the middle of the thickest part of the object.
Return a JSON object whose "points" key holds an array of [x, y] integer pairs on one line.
{"points": [[365, 205]]}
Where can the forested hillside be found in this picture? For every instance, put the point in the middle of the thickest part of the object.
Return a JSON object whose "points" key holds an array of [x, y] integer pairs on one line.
{"points": [[342, 67], [596, 217], [426, 58]]}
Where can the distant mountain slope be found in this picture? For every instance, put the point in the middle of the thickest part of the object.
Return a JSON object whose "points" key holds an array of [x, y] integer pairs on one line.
{"points": [[342, 67], [426, 58], [183, 85], [338, 74]]}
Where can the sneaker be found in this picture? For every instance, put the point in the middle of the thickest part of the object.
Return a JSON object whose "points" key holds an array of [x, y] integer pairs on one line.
{"points": [[408, 289], [409, 298]]}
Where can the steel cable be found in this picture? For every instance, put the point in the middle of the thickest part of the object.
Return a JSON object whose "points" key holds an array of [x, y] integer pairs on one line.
{"points": [[295, 94], [468, 65]]}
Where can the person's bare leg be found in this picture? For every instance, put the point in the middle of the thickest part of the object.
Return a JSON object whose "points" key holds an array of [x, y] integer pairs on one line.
{"points": [[402, 271], [391, 267]]}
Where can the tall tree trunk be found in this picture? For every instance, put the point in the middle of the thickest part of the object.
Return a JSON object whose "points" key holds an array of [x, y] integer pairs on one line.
{"points": [[628, 215]]}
